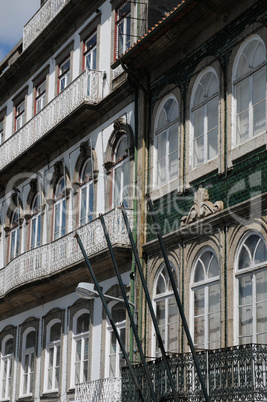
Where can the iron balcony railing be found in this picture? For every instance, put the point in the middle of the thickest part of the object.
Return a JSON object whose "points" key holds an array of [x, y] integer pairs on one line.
{"points": [[87, 87], [54, 257], [40, 20], [105, 390], [236, 374]]}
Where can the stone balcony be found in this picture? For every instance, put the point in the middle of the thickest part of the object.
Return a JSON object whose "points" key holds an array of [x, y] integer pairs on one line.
{"points": [[105, 390], [237, 373], [41, 19], [86, 88], [62, 254]]}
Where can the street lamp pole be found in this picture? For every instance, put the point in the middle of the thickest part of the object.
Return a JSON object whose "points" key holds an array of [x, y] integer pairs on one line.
{"points": [[99, 290]]}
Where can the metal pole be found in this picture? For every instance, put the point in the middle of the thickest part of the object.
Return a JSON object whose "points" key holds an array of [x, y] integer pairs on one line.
{"points": [[98, 288], [148, 299], [128, 308], [178, 301]]}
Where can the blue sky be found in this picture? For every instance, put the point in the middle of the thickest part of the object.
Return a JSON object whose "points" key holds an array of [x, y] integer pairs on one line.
{"points": [[14, 14]]}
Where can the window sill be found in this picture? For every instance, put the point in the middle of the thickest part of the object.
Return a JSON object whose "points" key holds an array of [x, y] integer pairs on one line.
{"points": [[167, 188], [203, 170], [246, 147]]}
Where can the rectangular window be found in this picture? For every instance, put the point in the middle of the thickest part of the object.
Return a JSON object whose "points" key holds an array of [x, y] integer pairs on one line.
{"points": [[90, 52], [123, 29], [64, 75], [40, 97], [20, 115]]}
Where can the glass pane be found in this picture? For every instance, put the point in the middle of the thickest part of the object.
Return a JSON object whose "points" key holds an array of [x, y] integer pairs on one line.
{"points": [[261, 286], [212, 112], [245, 321], [213, 267], [259, 55], [126, 182], [200, 95], [83, 206], [83, 323], [63, 218], [30, 340], [9, 347], [173, 325], [117, 186], [261, 253], [173, 151], [261, 309], [121, 150], [91, 202], [244, 259], [259, 120], [77, 372], [55, 332], [162, 121], [199, 273], [199, 302], [78, 350], [160, 314], [245, 290], [161, 284], [242, 95], [198, 151], [199, 329], [258, 86]]}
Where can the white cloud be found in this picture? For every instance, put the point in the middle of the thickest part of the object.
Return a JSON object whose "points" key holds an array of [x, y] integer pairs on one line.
{"points": [[14, 14]]}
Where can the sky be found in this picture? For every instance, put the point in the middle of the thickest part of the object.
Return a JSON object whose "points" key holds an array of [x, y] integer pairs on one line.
{"points": [[14, 14]]}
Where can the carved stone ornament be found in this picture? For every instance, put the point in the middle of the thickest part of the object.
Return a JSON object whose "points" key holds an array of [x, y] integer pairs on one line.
{"points": [[202, 207]]}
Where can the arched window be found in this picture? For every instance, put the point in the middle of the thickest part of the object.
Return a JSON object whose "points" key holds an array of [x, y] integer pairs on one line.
{"points": [[251, 274], [121, 173], [166, 138], [60, 209], [35, 239], [204, 118], [166, 312], [6, 367], [249, 80], [115, 358], [28, 363], [206, 301], [14, 248], [53, 350], [81, 347], [87, 193]]}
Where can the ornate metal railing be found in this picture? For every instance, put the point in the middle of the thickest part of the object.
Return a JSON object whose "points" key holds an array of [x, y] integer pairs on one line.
{"points": [[105, 390], [64, 252], [237, 373], [85, 88], [40, 20]]}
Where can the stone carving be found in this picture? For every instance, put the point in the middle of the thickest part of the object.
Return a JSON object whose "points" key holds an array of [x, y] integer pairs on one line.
{"points": [[202, 207]]}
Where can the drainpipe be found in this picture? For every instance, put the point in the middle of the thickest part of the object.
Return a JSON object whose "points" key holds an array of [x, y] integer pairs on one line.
{"points": [[135, 84]]}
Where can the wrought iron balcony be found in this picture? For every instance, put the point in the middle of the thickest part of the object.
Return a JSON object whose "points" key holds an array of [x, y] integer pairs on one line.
{"points": [[41, 19], [57, 256], [85, 88], [105, 390], [236, 374]]}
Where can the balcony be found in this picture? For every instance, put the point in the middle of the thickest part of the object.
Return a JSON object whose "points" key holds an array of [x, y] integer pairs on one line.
{"points": [[106, 390], [237, 373], [63, 253], [87, 88], [41, 19]]}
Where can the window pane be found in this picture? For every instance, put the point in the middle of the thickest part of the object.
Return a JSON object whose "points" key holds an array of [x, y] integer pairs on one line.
{"points": [[55, 332], [199, 302], [172, 325], [199, 273], [242, 95], [30, 340], [173, 151], [199, 330], [83, 323]]}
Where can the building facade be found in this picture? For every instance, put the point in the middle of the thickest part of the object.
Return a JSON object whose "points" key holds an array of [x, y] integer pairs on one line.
{"points": [[201, 79], [101, 103]]}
